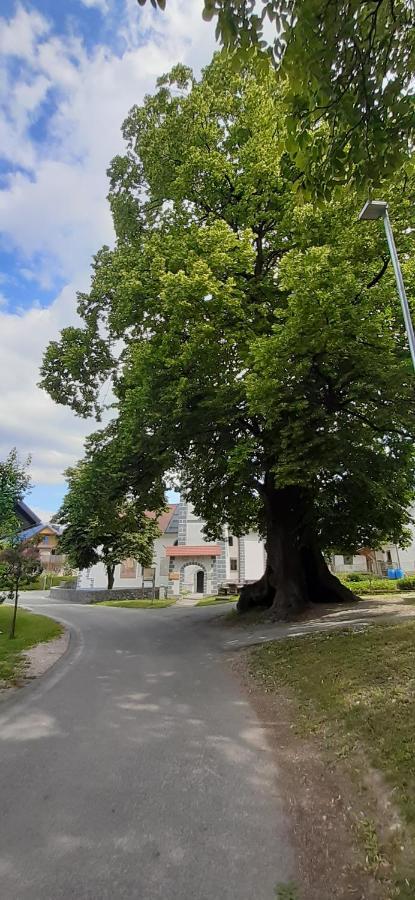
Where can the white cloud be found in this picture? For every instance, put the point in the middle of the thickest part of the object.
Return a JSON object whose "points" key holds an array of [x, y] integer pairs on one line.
{"points": [[99, 4], [54, 213]]}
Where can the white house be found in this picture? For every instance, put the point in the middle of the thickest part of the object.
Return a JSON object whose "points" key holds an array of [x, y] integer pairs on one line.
{"points": [[184, 561]]}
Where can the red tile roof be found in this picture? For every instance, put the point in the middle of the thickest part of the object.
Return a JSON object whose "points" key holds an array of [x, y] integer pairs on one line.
{"points": [[203, 550], [164, 520]]}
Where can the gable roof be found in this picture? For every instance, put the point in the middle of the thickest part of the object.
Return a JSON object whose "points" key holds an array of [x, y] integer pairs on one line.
{"points": [[32, 532], [164, 520], [26, 515]]}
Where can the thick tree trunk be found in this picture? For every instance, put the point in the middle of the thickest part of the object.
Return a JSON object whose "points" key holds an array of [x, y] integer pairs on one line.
{"points": [[110, 576], [296, 573]]}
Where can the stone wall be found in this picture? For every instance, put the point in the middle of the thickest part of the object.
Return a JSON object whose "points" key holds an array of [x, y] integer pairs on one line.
{"points": [[94, 595]]}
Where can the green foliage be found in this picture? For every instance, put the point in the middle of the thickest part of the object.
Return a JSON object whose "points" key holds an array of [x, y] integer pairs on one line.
{"points": [[406, 584], [377, 586], [102, 523], [357, 576], [263, 340], [349, 64], [14, 483], [19, 562]]}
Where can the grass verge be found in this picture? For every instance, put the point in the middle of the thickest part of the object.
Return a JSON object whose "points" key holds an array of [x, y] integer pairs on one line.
{"points": [[30, 630], [137, 604], [357, 689], [212, 601]]}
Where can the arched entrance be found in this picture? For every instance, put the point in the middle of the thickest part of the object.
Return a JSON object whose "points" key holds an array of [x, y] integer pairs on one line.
{"points": [[193, 577], [200, 582]]}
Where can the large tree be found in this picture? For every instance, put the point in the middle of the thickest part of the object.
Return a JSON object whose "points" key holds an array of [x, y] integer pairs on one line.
{"points": [[264, 356], [349, 62], [102, 524], [14, 483]]}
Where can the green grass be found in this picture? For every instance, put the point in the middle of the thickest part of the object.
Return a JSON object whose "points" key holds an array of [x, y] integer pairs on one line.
{"points": [[54, 581], [136, 604], [212, 601], [30, 630], [356, 689]]}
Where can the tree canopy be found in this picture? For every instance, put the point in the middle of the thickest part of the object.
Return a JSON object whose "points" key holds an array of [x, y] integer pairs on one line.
{"points": [[14, 483], [101, 523], [347, 62], [264, 356]]}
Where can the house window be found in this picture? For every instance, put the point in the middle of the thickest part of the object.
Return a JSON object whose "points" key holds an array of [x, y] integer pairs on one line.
{"points": [[389, 557], [45, 539], [234, 565], [230, 540], [348, 560], [128, 568]]}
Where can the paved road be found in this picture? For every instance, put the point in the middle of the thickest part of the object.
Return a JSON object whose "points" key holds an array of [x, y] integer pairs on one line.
{"points": [[136, 769]]}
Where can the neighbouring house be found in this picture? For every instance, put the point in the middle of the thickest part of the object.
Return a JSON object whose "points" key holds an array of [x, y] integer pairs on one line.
{"points": [[47, 537], [378, 561], [184, 561]]}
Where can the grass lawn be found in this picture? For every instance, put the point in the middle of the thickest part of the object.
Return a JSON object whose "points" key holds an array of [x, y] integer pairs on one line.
{"points": [[357, 689], [136, 604], [30, 629], [212, 601]]}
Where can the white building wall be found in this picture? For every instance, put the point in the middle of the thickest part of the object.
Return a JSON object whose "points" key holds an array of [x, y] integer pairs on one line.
{"points": [[254, 556], [359, 564], [96, 577], [194, 529]]}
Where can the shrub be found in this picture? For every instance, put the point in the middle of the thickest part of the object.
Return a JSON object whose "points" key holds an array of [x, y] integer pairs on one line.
{"points": [[357, 576], [406, 584], [377, 586]]}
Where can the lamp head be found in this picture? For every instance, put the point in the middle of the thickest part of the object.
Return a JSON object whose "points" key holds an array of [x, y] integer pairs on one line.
{"points": [[373, 209]]}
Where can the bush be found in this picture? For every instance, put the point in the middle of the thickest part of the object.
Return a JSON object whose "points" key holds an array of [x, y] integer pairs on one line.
{"points": [[357, 576], [377, 586], [406, 584]]}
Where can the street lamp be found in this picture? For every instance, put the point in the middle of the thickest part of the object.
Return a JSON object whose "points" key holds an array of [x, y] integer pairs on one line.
{"points": [[378, 209]]}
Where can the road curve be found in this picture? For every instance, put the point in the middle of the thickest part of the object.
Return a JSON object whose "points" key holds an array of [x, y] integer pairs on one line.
{"points": [[137, 769]]}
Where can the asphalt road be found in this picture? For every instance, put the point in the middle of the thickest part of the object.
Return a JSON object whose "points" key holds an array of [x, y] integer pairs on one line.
{"points": [[137, 769]]}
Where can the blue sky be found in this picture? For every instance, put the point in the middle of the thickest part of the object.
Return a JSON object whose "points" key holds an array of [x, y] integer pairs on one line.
{"points": [[69, 72]]}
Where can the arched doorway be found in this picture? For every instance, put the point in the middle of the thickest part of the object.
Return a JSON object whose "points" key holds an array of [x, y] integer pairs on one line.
{"points": [[200, 582]]}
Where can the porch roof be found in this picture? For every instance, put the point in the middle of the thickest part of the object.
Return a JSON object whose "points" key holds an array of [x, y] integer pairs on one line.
{"points": [[203, 550]]}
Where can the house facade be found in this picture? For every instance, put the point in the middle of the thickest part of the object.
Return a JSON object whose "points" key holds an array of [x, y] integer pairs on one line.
{"points": [[184, 561], [46, 537]]}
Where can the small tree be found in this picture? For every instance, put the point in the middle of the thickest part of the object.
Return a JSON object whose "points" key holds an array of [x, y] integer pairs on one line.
{"points": [[18, 562], [14, 483], [101, 523]]}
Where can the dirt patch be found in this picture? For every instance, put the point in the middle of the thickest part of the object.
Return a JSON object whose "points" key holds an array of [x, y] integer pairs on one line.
{"points": [[40, 658], [335, 815], [37, 661]]}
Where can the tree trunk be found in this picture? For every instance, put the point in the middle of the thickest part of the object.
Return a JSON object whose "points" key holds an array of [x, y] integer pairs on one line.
{"points": [[296, 573], [16, 600], [110, 576]]}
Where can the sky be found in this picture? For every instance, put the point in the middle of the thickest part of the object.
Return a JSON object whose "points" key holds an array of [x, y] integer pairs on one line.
{"points": [[70, 70]]}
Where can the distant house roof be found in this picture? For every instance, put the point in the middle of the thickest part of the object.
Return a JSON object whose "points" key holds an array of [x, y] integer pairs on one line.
{"points": [[32, 532], [202, 550], [26, 515]]}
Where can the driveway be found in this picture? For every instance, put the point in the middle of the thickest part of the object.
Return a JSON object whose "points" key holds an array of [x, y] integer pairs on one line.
{"points": [[137, 769]]}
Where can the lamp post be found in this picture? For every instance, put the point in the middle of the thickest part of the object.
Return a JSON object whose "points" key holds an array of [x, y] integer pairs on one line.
{"points": [[378, 209]]}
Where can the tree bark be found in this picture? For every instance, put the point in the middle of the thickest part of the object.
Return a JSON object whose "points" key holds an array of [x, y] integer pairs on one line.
{"points": [[296, 573], [16, 600], [110, 576]]}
